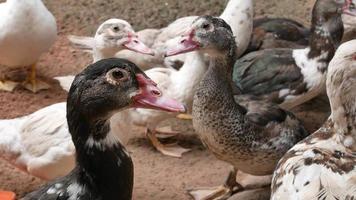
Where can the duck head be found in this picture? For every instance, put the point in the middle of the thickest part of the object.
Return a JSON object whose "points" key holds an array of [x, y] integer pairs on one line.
{"points": [[111, 85], [324, 10], [207, 34], [116, 34]]}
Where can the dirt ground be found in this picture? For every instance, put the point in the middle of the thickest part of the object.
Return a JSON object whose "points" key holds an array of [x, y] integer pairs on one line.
{"points": [[156, 176]]}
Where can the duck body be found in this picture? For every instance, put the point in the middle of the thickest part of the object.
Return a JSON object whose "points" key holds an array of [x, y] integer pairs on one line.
{"points": [[252, 137], [291, 77], [271, 33], [323, 167], [48, 129], [323, 164], [28, 30], [283, 75], [113, 179]]}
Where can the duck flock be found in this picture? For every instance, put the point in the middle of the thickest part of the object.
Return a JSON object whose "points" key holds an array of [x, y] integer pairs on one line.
{"points": [[237, 79]]}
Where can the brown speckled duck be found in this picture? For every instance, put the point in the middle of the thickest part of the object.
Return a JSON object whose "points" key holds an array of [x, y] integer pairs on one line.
{"points": [[291, 77], [323, 166], [251, 135]]}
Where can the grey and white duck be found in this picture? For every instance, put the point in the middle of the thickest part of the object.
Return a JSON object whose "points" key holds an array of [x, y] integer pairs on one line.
{"points": [[104, 170], [249, 134], [28, 30], [291, 77], [323, 166], [40, 143]]}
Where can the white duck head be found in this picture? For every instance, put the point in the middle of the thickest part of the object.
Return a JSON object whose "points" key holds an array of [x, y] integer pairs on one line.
{"points": [[112, 36]]}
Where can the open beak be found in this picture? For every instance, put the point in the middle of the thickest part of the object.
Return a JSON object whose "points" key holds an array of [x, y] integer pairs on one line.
{"points": [[349, 8], [186, 44], [134, 44], [151, 97]]}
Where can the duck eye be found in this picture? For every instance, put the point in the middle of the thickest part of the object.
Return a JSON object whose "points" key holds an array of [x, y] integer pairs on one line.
{"points": [[117, 75], [206, 26], [116, 28]]}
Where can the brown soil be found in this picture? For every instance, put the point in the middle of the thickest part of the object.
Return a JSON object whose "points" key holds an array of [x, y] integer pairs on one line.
{"points": [[156, 176]]}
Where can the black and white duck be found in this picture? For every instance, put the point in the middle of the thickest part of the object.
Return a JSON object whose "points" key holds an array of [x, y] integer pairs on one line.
{"points": [[291, 77], [250, 135], [323, 166], [104, 170]]}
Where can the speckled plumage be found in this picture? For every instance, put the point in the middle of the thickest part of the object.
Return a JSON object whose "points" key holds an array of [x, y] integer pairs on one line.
{"points": [[323, 166], [251, 135], [281, 75]]}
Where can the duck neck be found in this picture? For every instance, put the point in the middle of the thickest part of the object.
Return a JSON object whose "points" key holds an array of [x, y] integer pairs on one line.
{"points": [[217, 85], [102, 162], [239, 15], [341, 92], [326, 36], [103, 53]]}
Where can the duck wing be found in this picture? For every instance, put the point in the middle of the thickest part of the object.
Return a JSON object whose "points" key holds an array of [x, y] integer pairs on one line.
{"points": [[270, 73], [260, 111], [277, 33], [272, 121], [39, 143]]}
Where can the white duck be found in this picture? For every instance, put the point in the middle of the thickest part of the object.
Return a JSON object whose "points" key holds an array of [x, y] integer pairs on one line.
{"points": [[323, 165], [181, 84], [40, 143], [28, 30]]}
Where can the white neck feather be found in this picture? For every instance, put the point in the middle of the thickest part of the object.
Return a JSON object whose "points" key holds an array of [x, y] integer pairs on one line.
{"points": [[341, 90], [190, 74], [103, 53], [239, 15]]}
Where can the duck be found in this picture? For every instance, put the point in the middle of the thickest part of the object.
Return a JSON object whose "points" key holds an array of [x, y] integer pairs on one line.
{"points": [[251, 135], [322, 166], [23, 24], [237, 13], [104, 169], [291, 77], [40, 143], [181, 83]]}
